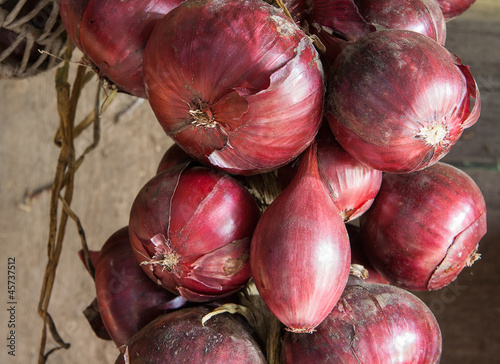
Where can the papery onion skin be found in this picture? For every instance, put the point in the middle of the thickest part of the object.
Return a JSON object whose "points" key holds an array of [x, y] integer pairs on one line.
{"points": [[371, 324], [300, 254], [351, 184], [359, 257], [173, 156], [113, 35], [127, 298], [238, 85], [180, 337], [453, 8], [190, 228], [398, 101], [424, 227]]}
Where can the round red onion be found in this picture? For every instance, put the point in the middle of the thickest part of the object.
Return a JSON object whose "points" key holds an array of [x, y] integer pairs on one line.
{"points": [[424, 227], [113, 35], [371, 323], [453, 8], [352, 185], [398, 101], [128, 299], [172, 157], [339, 22], [237, 85], [180, 337], [190, 228], [359, 257], [300, 255]]}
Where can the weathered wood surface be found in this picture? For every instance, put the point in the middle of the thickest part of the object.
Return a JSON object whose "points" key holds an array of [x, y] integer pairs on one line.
{"points": [[468, 311]]}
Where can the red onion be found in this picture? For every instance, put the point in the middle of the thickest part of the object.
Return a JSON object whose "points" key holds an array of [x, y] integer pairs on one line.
{"points": [[300, 255], [190, 228], [172, 157], [113, 35], [238, 85], [180, 337], [127, 298], [358, 256], [371, 323], [398, 101], [424, 227], [94, 318], [351, 184], [453, 8], [336, 22]]}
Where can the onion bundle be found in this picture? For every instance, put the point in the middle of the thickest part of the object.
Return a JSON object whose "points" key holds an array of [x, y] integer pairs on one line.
{"points": [[241, 90]]}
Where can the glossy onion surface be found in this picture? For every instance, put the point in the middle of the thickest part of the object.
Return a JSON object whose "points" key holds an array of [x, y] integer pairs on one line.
{"points": [[127, 298], [180, 337], [190, 228], [398, 101], [371, 324], [235, 83], [300, 254], [424, 227], [113, 35]]}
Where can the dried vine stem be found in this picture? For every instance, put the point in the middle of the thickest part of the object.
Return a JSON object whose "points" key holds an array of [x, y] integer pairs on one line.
{"points": [[62, 188]]}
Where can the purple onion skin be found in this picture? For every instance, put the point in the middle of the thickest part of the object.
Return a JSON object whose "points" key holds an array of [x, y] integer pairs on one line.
{"points": [[236, 113], [191, 227], [453, 8], [127, 298], [113, 35], [371, 324], [173, 156], [359, 257], [300, 255], [398, 101], [424, 227], [179, 337]]}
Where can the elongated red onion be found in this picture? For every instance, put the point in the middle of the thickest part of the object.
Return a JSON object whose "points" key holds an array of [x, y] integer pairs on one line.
{"points": [[398, 101], [424, 227], [113, 35], [358, 256], [180, 337], [339, 22], [190, 228], [238, 85], [453, 8], [300, 255], [127, 298], [351, 184], [371, 323]]}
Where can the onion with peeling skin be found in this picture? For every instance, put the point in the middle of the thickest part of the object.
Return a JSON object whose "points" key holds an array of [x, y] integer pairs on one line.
{"points": [[371, 324], [351, 184], [424, 227], [237, 85], [398, 101], [113, 35], [127, 298], [173, 156], [190, 228], [300, 256], [180, 337]]}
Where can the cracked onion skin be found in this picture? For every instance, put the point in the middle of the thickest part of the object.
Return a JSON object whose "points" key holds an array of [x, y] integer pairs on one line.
{"points": [[371, 324], [126, 296], [190, 228], [180, 337], [300, 254], [235, 83], [398, 101], [424, 227], [113, 35]]}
